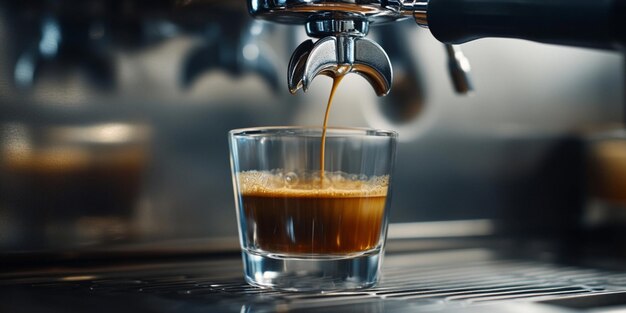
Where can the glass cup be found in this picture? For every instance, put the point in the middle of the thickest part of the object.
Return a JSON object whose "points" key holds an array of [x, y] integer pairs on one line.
{"points": [[302, 228], [70, 186]]}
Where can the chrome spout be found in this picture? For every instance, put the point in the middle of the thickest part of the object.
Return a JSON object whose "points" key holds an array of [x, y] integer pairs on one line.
{"points": [[335, 56]]}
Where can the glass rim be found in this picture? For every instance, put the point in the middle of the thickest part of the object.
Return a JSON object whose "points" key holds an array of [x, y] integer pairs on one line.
{"points": [[275, 130]]}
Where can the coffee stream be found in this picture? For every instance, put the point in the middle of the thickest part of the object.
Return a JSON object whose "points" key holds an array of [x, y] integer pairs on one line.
{"points": [[336, 81], [299, 213]]}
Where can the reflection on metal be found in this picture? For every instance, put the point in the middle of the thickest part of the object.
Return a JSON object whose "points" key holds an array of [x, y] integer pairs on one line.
{"points": [[232, 44], [408, 98], [78, 278], [301, 11], [24, 73], [464, 228], [47, 48], [336, 56], [50, 38], [459, 70], [469, 280], [62, 44]]}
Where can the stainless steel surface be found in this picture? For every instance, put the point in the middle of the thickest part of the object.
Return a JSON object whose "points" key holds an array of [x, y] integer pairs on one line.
{"points": [[409, 97], [374, 11], [437, 281], [299, 11], [328, 27], [417, 8]]}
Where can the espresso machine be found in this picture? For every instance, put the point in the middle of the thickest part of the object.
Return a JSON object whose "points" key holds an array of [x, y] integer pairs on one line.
{"points": [[115, 191], [342, 25], [342, 48]]}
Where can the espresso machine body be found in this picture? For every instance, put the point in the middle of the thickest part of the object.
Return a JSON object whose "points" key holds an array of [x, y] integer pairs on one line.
{"points": [[149, 90], [115, 190]]}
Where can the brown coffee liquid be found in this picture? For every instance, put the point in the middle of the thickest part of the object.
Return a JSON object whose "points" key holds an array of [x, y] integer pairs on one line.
{"points": [[336, 81], [346, 217]]}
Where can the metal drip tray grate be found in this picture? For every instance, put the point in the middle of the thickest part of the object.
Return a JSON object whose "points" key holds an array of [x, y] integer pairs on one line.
{"points": [[412, 279]]}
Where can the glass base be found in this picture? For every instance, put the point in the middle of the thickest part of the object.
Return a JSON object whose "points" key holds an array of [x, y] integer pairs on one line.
{"points": [[297, 273]]}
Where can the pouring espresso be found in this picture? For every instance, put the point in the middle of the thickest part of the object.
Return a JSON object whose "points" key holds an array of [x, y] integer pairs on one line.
{"points": [[342, 26]]}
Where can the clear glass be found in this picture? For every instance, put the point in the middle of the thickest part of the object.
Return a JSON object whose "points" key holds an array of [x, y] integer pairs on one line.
{"points": [[304, 230]]}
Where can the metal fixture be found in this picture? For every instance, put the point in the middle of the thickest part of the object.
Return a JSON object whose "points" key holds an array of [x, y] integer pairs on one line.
{"points": [[409, 96], [58, 45], [339, 55], [238, 52], [341, 26], [452, 22], [342, 49], [459, 69]]}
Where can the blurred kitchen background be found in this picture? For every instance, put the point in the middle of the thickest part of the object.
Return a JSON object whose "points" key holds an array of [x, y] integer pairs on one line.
{"points": [[114, 115]]}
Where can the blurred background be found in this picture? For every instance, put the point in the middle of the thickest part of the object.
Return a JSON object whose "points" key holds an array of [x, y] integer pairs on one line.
{"points": [[114, 115]]}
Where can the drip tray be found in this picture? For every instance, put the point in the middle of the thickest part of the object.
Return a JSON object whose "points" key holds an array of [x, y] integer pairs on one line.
{"points": [[452, 280]]}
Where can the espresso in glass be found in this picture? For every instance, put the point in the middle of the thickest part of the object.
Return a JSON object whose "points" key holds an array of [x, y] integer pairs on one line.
{"points": [[338, 215], [302, 229], [312, 204]]}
